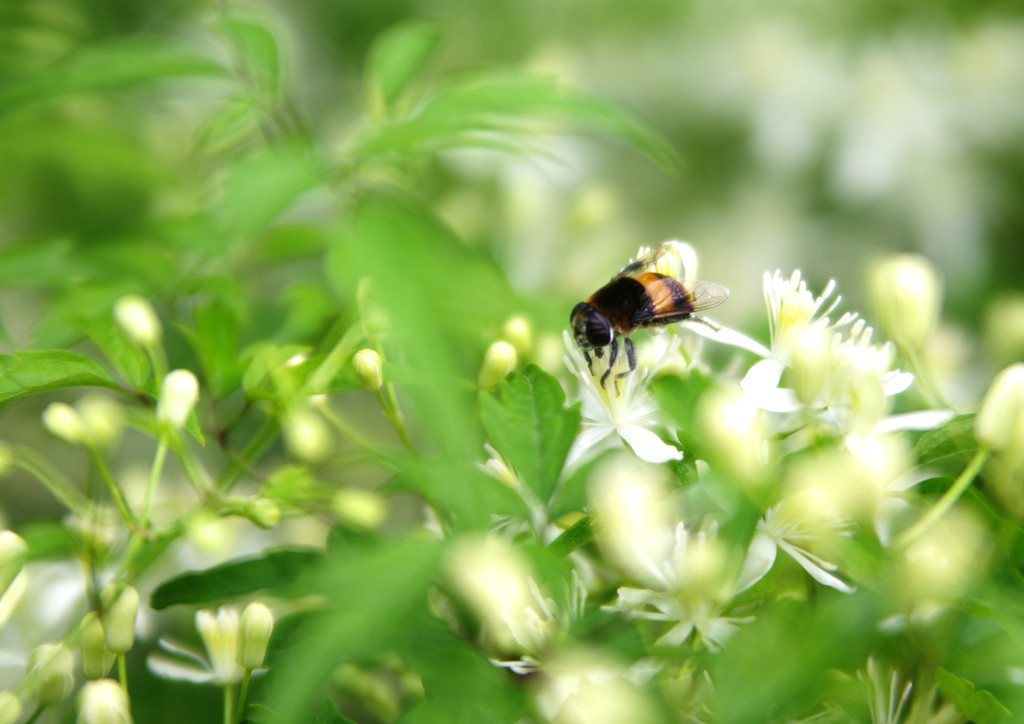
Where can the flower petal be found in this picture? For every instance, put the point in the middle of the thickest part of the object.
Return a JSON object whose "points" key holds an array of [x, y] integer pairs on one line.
{"points": [[761, 386], [763, 374], [169, 669], [588, 439], [725, 335], [649, 446], [895, 382], [760, 559], [918, 420], [818, 573]]}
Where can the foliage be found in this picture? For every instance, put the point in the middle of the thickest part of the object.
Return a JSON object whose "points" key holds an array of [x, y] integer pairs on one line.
{"points": [[201, 231]]}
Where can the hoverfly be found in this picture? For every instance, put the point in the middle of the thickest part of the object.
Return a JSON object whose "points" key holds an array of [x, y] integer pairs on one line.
{"points": [[637, 297]]}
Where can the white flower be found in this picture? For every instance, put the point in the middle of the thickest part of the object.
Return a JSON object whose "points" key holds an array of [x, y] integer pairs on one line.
{"points": [[494, 579], [843, 378], [625, 409], [784, 526], [220, 635]]}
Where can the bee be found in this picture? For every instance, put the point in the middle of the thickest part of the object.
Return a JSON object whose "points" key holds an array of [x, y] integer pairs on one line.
{"points": [[637, 297]]}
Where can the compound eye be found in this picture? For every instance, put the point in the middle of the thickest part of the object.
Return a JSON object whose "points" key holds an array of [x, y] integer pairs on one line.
{"points": [[599, 330]]}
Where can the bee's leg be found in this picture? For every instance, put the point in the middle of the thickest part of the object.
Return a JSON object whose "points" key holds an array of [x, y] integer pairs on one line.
{"points": [[613, 354], [707, 322], [630, 355], [590, 361]]}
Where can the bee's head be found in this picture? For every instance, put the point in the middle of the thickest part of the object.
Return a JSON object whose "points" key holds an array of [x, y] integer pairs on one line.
{"points": [[589, 327]]}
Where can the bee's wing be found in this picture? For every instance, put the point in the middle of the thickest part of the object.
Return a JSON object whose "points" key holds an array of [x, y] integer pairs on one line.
{"points": [[670, 300], [643, 263], [705, 295]]}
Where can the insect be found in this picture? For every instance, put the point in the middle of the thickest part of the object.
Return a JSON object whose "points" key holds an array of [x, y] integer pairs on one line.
{"points": [[637, 297]]}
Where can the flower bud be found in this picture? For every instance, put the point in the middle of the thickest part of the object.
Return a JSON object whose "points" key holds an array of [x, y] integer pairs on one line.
{"points": [[13, 550], [518, 332], [493, 578], [907, 291], [581, 687], [999, 424], [264, 512], [10, 708], [735, 431], [120, 607], [6, 458], [50, 675], [634, 523], [103, 418], [64, 421], [178, 395], [96, 657], [360, 508], [103, 702], [306, 435], [254, 635], [811, 357], [220, 635], [10, 598], [369, 369], [499, 361], [137, 318]]}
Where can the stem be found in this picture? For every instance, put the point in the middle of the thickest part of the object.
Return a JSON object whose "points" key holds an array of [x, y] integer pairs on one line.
{"points": [[154, 479], [256, 446], [389, 403], [115, 489], [241, 696], [35, 714], [122, 672], [348, 431], [229, 714], [947, 500], [62, 489], [927, 387]]}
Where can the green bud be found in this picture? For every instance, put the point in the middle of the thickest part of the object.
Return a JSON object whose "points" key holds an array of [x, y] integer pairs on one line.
{"points": [[64, 421], [97, 658], [50, 676], [499, 361], [518, 332], [13, 550], [103, 418], [907, 291], [306, 435], [10, 708], [999, 425], [137, 318], [120, 607], [103, 702], [360, 508], [264, 512], [178, 395], [6, 458], [369, 370], [254, 635]]}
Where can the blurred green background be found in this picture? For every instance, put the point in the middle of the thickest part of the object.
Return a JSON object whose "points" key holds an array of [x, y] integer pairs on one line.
{"points": [[209, 156]]}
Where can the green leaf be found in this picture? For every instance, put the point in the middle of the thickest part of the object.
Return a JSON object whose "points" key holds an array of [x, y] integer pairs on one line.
{"points": [[499, 110], [977, 705], [329, 714], [577, 536], [262, 185], [256, 52], [126, 356], [531, 427], [216, 344], [29, 373], [114, 64], [235, 578], [396, 59], [956, 437]]}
